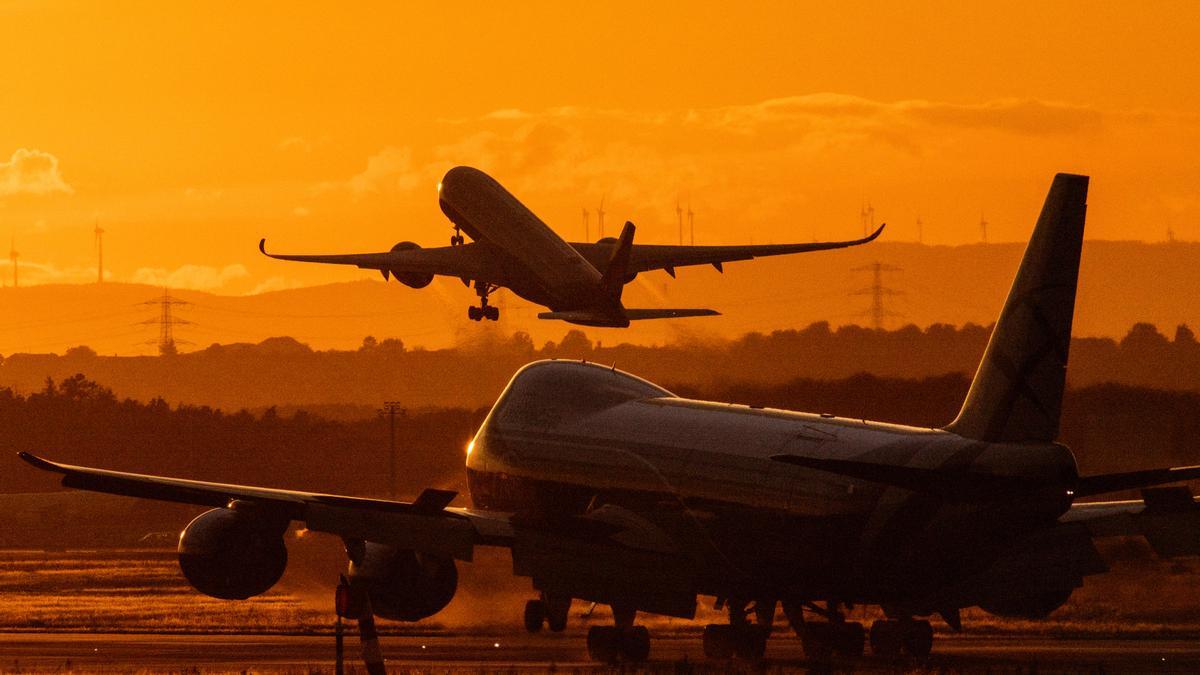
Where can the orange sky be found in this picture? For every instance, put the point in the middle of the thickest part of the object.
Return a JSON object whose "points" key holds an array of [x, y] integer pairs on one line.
{"points": [[193, 129]]}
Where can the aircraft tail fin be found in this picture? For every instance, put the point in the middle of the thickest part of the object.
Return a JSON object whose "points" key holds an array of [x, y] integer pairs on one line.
{"points": [[614, 279], [1016, 395]]}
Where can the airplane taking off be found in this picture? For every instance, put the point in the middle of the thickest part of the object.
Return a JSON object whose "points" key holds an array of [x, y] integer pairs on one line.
{"points": [[610, 489], [578, 282]]}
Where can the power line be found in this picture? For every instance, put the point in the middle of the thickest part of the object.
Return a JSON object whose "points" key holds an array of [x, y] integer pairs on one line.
{"points": [[878, 292]]}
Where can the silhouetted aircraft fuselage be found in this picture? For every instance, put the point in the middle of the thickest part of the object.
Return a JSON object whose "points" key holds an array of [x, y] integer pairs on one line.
{"points": [[568, 438], [578, 282], [531, 260]]}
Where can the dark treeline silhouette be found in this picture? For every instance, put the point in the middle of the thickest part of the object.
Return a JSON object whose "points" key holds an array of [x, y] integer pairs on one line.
{"points": [[285, 373], [1110, 427]]}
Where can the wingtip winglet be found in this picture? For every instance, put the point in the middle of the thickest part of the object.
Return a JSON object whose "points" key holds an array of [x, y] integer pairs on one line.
{"points": [[262, 246], [38, 462], [875, 235]]}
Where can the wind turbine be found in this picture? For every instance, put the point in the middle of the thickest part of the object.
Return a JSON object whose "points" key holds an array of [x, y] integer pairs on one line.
{"points": [[600, 217], [692, 223], [12, 257], [99, 232], [679, 214], [587, 232]]}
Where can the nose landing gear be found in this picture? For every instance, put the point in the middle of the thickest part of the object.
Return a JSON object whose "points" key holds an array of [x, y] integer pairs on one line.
{"points": [[457, 239]]}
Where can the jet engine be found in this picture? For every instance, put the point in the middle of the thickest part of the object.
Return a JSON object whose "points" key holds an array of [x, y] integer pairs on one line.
{"points": [[1026, 602], [409, 279], [404, 585], [232, 554]]}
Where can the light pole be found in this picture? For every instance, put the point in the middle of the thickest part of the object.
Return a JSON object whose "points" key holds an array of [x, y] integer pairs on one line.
{"points": [[390, 409]]}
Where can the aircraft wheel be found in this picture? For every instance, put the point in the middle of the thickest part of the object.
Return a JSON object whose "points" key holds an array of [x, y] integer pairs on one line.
{"points": [[635, 644], [719, 641], [886, 638], [818, 640], [918, 638], [474, 313], [751, 643], [535, 616], [491, 313], [850, 639], [603, 644]]}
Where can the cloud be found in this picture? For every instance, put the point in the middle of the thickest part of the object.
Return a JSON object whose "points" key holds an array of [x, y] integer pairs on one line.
{"points": [[389, 170], [194, 277], [31, 172], [295, 143], [275, 284]]}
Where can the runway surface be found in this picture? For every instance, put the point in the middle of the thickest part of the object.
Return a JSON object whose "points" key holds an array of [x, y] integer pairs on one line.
{"points": [[51, 652]]}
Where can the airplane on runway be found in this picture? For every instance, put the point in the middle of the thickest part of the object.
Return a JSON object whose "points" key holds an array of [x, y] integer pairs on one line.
{"points": [[578, 282], [609, 489]]}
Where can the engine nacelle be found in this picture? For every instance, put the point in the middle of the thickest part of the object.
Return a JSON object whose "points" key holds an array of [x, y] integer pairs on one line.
{"points": [[231, 554], [1025, 602], [404, 585], [408, 278]]}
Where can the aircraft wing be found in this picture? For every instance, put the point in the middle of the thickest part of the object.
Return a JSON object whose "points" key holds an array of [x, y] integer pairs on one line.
{"points": [[468, 261], [424, 524], [607, 538], [1169, 519], [645, 257]]}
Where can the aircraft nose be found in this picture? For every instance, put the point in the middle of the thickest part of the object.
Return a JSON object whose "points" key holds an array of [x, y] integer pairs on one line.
{"points": [[458, 179]]}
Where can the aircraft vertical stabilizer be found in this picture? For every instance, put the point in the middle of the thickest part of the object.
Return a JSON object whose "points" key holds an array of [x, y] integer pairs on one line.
{"points": [[1017, 392]]}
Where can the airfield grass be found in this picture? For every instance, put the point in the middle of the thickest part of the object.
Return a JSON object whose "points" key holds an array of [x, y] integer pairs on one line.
{"points": [[142, 591]]}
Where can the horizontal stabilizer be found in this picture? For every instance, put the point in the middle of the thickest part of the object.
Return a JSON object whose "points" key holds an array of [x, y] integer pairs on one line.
{"points": [[615, 320], [1115, 482], [952, 484], [966, 485], [637, 314]]}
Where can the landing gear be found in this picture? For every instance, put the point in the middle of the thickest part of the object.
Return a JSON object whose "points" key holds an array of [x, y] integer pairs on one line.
{"points": [[740, 638], [457, 239], [890, 637], [823, 639], [484, 310], [548, 610], [623, 642], [725, 641], [611, 644]]}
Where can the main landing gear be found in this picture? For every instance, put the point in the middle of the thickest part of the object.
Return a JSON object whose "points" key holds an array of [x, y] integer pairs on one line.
{"points": [[835, 635], [891, 637], [484, 310], [623, 642], [823, 639], [457, 239], [548, 610], [740, 638]]}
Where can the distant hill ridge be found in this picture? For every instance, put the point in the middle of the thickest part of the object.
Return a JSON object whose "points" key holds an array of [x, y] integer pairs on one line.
{"points": [[285, 372], [1122, 283]]}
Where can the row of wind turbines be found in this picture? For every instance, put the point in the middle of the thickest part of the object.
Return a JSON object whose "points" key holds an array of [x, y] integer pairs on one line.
{"points": [[14, 256], [587, 230]]}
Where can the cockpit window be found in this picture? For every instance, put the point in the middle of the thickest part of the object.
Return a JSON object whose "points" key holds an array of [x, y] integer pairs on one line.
{"points": [[549, 393]]}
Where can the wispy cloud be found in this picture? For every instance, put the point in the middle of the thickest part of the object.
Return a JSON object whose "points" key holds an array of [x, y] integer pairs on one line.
{"points": [[389, 170], [194, 277], [31, 172]]}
